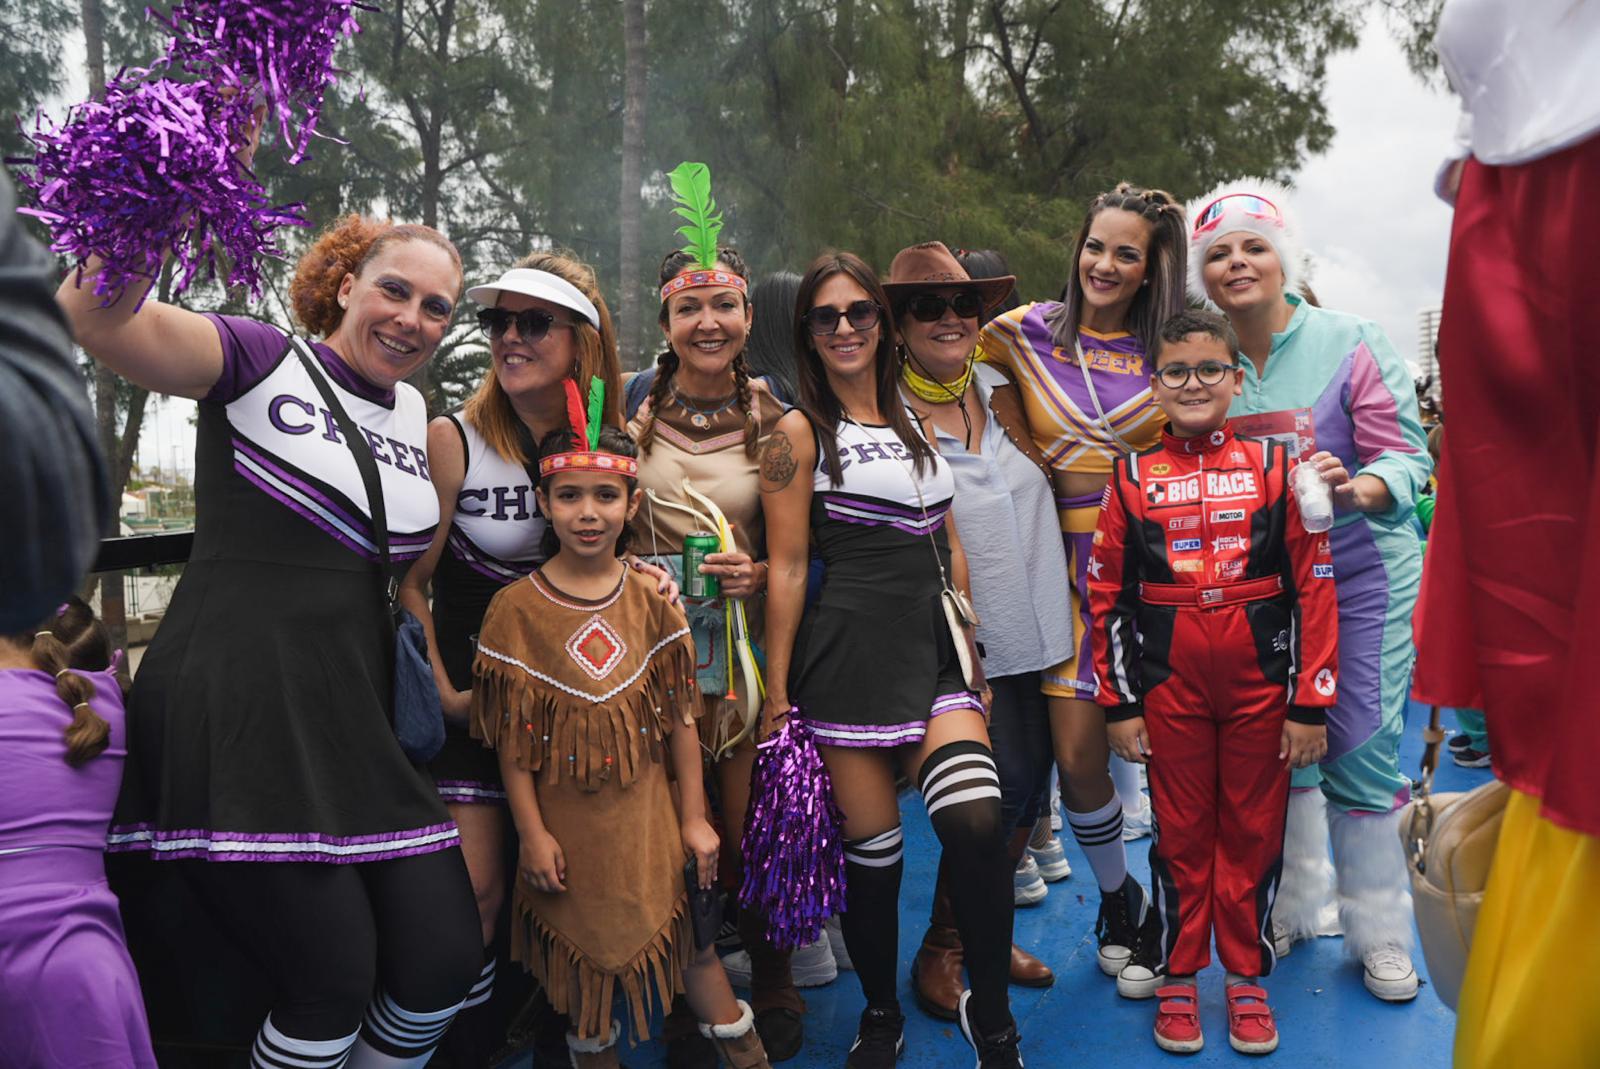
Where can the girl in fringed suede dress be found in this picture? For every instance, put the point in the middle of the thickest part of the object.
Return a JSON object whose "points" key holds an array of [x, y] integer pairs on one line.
{"points": [[584, 682]]}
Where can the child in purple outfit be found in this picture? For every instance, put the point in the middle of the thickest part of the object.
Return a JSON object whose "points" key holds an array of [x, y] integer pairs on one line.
{"points": [[68, 992]]}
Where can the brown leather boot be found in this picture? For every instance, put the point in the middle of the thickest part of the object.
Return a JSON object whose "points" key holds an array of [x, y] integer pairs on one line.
{"points": [[738, 1043], [1026, 970], [936, 970]]}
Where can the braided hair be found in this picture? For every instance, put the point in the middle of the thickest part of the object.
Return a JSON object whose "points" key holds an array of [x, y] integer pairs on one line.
{"points": [[667, 362], [73, 638], [1168, 259]]}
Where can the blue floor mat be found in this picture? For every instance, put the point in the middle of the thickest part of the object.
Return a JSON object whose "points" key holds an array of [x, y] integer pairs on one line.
{"points": [[1326, 1018]]}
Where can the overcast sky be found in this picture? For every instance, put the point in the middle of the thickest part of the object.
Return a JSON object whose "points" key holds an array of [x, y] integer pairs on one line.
{"points": [[1366, 211]]}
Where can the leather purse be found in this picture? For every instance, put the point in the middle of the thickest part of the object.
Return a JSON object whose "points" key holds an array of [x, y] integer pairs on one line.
{"points": [[418, 714], [1449, 841]]}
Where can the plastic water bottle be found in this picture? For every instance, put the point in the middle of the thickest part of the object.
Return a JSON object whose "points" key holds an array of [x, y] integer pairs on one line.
{"points": [[1314, 497]]}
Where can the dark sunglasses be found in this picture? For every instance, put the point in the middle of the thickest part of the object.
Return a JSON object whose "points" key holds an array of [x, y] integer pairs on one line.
{"points": [[863, 315], [929, 307], [1209, 372], [532, 323]]}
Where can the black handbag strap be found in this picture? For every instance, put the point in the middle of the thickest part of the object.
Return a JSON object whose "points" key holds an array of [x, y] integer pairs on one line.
{"points": [[362, 452]]}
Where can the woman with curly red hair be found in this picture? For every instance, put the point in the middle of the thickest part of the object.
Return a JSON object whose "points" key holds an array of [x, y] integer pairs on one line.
{"points": [[262, 760]]}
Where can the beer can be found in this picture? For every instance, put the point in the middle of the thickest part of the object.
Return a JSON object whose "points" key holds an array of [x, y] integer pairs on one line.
{"points": [[695, 547]]}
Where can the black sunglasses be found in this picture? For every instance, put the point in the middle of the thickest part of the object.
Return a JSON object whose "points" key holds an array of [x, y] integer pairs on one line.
{"points": [[1209, 372], [929, 307], [532, 323], [863, 315]]}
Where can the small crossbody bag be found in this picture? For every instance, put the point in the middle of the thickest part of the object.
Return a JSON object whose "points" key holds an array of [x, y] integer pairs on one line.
{"points": [[418, 715]]}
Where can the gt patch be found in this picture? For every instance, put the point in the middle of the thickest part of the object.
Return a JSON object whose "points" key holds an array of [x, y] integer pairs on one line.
{"points": [[1186, 545], [1228, 516], [1183, 523]]}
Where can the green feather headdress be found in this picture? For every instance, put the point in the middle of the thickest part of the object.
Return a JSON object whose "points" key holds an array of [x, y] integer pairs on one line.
{"points": [[691, 190]]}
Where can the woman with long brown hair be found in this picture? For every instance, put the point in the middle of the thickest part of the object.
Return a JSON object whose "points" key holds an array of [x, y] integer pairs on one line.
{"points": [[1081, 367], [872, 667]]}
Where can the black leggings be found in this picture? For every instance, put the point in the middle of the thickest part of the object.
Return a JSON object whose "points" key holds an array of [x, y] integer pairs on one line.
{"points": [[329, 936], [1019, 731]]}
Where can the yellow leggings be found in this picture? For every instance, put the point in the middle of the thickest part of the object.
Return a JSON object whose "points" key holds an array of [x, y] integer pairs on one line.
{"points": [[1529, 997]]}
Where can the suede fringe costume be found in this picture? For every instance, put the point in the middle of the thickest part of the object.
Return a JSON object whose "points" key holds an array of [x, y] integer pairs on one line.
{"points": [[582, 693]]}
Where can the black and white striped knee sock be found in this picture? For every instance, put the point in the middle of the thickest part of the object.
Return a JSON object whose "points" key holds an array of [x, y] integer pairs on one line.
{"points": [[274, 1050], [393, 1037], [871, 920], [961, 788], [1099, 834], [483, 987]]}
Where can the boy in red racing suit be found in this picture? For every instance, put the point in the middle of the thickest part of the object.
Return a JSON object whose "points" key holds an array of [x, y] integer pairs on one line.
{"points": [[1214, 642]]}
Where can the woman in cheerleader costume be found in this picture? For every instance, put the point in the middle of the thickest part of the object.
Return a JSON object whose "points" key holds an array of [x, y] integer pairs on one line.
{"points": [[68, 992], [705, 421], [1081, 367], [584, 681], [1332, 385], [545, 322], [1004, 504], [872, 667], [262, 761]]}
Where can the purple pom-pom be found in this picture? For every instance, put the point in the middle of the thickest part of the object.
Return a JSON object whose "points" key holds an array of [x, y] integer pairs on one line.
{"points": [[282, 49], [151, 170], [793, 848]]}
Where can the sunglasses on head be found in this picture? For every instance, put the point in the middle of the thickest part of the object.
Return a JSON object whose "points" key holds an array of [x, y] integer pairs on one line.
{"points": [[1245, 202], [1209, 372], [532, 323], [822, 320], [929, 307]]}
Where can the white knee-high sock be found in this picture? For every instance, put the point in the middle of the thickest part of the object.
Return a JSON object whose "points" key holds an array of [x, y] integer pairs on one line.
{"points": [[1125, 775], [396, 1038], [1099, 835], [274, 1050]]}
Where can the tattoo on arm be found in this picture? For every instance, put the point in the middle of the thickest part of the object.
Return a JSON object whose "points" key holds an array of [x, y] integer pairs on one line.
{"points": [[777, 463]]}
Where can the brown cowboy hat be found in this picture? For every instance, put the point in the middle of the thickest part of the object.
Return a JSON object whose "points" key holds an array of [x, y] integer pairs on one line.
{"points": [[931, 265]]}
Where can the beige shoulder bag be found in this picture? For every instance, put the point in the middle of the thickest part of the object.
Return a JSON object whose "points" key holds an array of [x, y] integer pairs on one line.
{"points": [[1449, 841]]}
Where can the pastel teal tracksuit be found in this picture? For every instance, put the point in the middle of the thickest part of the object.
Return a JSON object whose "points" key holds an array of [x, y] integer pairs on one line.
{"points": [[1343, 371]]}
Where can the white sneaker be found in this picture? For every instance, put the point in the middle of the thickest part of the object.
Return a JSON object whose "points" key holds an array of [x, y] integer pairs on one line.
{"points": [[841, 953], [1390, 974], [1027, 886], [1137, 826], [812, 965], [1282, 941], [1052, 861]]}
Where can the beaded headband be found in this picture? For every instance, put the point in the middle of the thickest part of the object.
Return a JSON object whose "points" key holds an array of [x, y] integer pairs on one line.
{"points": [[697, 277], [585, 425]]}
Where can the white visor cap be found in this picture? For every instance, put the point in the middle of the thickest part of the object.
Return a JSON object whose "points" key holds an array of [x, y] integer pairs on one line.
{"points": [[540, 284]]}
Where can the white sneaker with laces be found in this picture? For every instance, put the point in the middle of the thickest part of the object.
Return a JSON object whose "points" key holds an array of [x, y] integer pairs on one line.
{"points": [[1027, 886], [1390, 974], [1052, 861], [812, 965], [1282, 941]]}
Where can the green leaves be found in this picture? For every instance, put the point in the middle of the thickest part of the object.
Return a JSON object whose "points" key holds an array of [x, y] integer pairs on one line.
{"points": [[691, 188]]}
